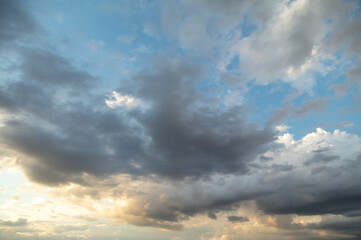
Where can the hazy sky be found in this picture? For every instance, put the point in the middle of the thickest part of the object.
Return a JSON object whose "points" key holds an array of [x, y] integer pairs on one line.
{"points": [[180, 119]]}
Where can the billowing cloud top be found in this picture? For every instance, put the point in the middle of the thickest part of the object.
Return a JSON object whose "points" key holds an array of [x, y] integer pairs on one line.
{"points": [[181, 114]]}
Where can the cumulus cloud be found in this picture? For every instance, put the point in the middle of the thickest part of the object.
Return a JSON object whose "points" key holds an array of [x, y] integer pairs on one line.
{"points": [[287, 42]]}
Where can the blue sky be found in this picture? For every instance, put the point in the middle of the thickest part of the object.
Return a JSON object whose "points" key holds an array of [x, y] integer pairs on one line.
{"points": [[180, 119]]}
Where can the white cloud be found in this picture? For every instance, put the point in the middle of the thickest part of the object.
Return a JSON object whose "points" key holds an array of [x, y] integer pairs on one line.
{"points": [[282, 128], [116, 100]]}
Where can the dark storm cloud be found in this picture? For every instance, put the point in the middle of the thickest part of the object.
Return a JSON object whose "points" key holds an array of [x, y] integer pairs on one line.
{"points": [[60, 136], [334, 190], [348, 226], [237, 219], [189, 137]]}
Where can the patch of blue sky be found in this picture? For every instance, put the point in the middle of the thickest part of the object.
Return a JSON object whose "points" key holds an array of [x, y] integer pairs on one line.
{"points": [[247, 27], [356, 11], [10, 181], [234, 63], [263, 99], [336, 113], [97, 23], [338, 110]]}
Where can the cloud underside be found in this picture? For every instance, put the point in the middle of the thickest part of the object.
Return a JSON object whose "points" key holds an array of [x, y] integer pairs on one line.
{"points": [[178, 152]]}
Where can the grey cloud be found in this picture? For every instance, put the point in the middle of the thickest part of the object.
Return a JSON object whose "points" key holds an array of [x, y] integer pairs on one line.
{"points": [[312, 106], [347, 226], [237, 219], [282, 167], [190, 138], [51, 68], [286, 222], [321, 150], [232, 80], [345, 124], [265, 158], [355, 73], [308, 203], [340, 89], [342, 227], [289, 47], [156, 224], [18, 223], [14, 21], [181, 136], [347, 37], [278, 115], [212, 215], [321, 158], [187, 137], [188, 22], [338, 193], [292, 96]]}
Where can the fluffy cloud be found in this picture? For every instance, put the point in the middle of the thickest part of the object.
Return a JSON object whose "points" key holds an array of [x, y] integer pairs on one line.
{"points": [[283, 40]]}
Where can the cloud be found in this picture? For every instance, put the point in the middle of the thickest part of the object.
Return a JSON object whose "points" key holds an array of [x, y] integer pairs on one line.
{"points": [[314, 105], [237, 219], [15, 22], [287, 183], [320, 157], [182, 155], [345, 124], [18, 223], [52, 68], [313, 189], [347, 226], [117, 100], [178, 136], [340, 89], [212, 215], [286, 43]]}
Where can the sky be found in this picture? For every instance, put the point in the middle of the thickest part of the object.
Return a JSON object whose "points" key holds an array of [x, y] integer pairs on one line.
{"points": [[180, 119]]}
